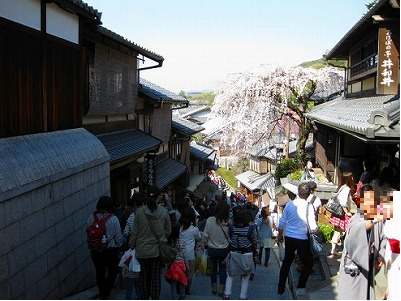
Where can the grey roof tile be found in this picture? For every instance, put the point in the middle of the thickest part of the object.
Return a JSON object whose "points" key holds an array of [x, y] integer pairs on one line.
{"points": [[376, 116], [254, 181], [158, 93], [185, 126], [201, 151], [150, 54], [123, 144], [89, 9]]}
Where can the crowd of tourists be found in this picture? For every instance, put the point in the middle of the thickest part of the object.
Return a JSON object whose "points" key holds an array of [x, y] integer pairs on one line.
{"points": [[233, 234], [237, 236]]}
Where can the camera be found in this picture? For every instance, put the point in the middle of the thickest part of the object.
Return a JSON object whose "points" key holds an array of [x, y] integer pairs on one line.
{"points": [[351, 269]]}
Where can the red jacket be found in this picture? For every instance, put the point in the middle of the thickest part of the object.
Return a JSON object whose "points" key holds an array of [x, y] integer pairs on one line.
{"points": [[176, 272]]}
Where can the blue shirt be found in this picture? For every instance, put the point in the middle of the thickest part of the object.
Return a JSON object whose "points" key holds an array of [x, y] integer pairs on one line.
{"points": [[293, 219]]}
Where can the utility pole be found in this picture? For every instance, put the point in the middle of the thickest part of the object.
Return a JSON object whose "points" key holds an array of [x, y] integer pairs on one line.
{"points": [[287, 137]]}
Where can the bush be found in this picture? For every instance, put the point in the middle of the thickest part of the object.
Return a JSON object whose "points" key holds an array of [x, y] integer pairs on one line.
{"points": [[287, 166], [327, 231], [296, 175]]}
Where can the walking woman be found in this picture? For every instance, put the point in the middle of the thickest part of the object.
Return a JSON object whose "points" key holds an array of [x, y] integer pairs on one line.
{"points": [[240, 260], [265, 224], [106, 260], [344, 194], [189, 235], [146, 243], [215, 237]]}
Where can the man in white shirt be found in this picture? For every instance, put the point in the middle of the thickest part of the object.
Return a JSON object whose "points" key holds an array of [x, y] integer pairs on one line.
{"points": [[314, 200], [294, 222]]}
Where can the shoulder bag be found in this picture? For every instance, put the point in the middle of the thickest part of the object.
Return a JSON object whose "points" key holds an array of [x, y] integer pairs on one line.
{"points": [[167, 252], [334, 207], [316, 246]]}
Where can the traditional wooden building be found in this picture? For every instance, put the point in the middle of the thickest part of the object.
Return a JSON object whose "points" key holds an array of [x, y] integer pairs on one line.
{"points": [[364, 124], [69, 133]]}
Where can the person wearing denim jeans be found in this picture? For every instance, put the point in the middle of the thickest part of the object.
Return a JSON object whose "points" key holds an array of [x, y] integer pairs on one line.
{"points": [[217, 257], [294, 222], [215, 237]]}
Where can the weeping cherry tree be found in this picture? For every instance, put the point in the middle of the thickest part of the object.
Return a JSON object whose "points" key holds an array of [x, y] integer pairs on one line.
{"points": [[257, 104]]}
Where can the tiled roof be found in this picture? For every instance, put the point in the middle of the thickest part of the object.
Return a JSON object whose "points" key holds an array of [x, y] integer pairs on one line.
{"points": [[88, 9], [128, 43], [194, 111], [362, 28], [123, 144], [185, 126], [254, 181], [201, 151], [369, 117], [270, 151], [38, 159], [158, 93], [167, 170]]}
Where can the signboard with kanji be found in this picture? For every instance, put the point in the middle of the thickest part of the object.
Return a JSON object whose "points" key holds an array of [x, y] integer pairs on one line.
{"points": [[151, 169], [388, 64]]}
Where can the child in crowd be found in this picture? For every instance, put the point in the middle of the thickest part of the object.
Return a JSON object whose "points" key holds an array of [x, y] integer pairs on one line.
{"points": [[175, 275]]}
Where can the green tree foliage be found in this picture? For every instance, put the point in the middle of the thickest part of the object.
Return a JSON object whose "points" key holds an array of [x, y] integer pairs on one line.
{"points": [[182, 94], [198, 137], [206, 98], [287, 166], [317, 64]]}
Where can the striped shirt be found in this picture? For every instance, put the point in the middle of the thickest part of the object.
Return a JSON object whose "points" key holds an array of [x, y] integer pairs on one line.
{"points": [[242, 238]]}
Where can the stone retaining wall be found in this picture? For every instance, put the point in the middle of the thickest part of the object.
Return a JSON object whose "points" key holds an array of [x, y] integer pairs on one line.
{"points": [[49, 184]]}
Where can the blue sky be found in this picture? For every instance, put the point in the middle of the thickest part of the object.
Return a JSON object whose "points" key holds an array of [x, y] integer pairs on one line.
{"points": [[204, 40]]}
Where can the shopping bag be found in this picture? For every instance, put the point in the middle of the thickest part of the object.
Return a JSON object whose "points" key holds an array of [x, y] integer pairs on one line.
{"points": [[129, 261], [203, 262]]}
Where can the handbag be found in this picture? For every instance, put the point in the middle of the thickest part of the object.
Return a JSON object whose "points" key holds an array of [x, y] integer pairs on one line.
{"points": [[316, 246], [167, 252], [334, 207]]}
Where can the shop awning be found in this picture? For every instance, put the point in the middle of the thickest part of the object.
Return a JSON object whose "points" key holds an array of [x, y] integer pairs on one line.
{"points": [[167, 170]]}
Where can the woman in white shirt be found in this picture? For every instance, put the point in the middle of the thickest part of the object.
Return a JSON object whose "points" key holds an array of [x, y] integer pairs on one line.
{"points": [[215, 237], [189, 234], [344, 194]]}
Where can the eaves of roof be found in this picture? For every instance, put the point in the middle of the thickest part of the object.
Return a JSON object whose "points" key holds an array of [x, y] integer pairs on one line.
{"points": [[195, 111], [362, 28], [158, 93], [124, 144], [254, 181], [201, 151], [376, 117], [149, 54], [185, 127], [82, 8]]}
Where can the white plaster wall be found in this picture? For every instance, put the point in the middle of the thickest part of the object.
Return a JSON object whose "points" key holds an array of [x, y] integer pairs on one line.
{"points": [[62, 24], [26, 12]]}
